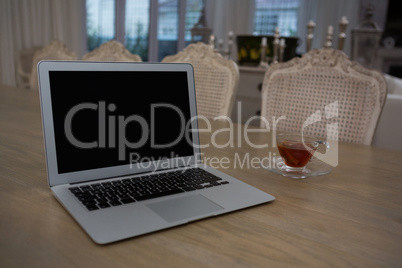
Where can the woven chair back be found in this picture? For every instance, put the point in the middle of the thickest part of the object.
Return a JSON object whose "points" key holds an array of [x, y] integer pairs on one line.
{"points": [[323, 94], [216, 79]]}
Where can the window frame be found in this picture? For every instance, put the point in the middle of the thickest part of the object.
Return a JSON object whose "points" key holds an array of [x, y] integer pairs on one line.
{"points": [[153, 47]]}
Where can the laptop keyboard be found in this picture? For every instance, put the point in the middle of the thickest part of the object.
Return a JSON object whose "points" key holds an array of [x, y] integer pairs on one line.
{"points": [[118, 192]]}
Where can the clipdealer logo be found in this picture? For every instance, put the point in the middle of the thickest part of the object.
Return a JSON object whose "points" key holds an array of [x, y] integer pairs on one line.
{"points": [[331, 111], [112, 133], [119, 132]]}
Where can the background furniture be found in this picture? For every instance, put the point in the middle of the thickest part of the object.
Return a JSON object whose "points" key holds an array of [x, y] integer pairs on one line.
{"points": [[323, 86], [350, 216], [200, 32], [248, 98], [251, 78], [23, 65], [249, 48], [389, 129], [216, 79], [365, 40], [111, 51], [56, 50], [389, 61]]}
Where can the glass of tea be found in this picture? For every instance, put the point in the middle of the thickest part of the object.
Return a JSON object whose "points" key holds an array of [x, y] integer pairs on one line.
{"points": [[296, 150]]}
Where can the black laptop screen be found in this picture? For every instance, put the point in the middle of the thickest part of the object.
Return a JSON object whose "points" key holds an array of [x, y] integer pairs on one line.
{"points": [[111, 118]]}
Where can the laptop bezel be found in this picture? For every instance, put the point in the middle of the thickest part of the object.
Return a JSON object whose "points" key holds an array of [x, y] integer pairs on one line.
{"points": [[54, 177]]}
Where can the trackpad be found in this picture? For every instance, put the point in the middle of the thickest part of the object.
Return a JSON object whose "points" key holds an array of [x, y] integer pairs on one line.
{"points": [[184, 207]]}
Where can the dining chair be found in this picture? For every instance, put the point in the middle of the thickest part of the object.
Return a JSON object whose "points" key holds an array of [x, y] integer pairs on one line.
{"points": [[216, 79], [323, 94], [56, 50], [111, 51], [23, 65]]}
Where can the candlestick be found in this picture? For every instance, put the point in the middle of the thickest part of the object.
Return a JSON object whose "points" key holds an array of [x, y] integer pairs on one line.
{"points": [[342, 32], [328, 42], [282, 46], [330, 29], [310, 36], [212, 41], [220, 46], [263, 62], [230, 44], [276, 45], [264, 41]]}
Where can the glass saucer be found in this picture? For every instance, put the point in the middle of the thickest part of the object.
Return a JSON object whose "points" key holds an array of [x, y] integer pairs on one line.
{"points": [[315, 167]]}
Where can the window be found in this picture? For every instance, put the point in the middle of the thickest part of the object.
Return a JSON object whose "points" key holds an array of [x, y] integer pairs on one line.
{"points": [[168, 31], [149, 28], [100, 22], [137, 27], [270, 14]]}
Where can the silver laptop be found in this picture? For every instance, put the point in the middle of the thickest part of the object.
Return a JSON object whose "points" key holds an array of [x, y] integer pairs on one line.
{"points": [[123, 151]]}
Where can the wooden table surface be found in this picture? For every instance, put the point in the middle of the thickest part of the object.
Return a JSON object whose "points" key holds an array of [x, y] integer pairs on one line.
{"points": [[351, 217]]}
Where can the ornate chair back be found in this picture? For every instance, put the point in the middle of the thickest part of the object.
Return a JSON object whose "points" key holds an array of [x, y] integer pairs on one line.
{"points": [[56, 50], [23, 65], [216, 79], [111, 51], [323, 93]]}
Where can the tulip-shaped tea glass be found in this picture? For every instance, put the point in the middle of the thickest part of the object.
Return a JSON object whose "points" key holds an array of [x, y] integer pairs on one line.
{"points": [[296, 152]]}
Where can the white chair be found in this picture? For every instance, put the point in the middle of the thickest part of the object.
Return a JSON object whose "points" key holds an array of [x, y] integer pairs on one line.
{"points": [[324, 93], [56, 50], [216, 79], [23, 65], [389, 130], [111, 51]]}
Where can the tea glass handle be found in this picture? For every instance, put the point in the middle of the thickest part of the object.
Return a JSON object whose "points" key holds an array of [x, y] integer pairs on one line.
{"points": [[318, 143]]}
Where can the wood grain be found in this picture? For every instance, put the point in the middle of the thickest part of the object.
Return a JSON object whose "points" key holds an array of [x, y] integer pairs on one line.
{"points": [[351, 217]]}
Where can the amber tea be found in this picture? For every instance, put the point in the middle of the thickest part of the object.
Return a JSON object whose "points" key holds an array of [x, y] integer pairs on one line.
{"points": [[296, 150], [296, 154]]}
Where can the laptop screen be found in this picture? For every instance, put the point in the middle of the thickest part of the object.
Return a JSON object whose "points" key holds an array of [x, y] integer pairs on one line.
{"points": [[110, 118]]}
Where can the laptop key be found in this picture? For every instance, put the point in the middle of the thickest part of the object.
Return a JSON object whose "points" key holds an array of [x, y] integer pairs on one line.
{"points": [[103, 205], [101, 200], [115, 203], [75, 190], [90, 202], [127, 200], [188, 189], [92, 207], [87, 198]]}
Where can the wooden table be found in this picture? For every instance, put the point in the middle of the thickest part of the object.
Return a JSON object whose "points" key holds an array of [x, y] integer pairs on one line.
{"points": [[351, 217]]}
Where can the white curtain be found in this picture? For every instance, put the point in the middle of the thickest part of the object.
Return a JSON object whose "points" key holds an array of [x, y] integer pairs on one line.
{"points": [[325, 13], [28, 23]]}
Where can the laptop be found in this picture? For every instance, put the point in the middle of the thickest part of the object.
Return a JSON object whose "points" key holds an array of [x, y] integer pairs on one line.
{"points": [[123, 152]]}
